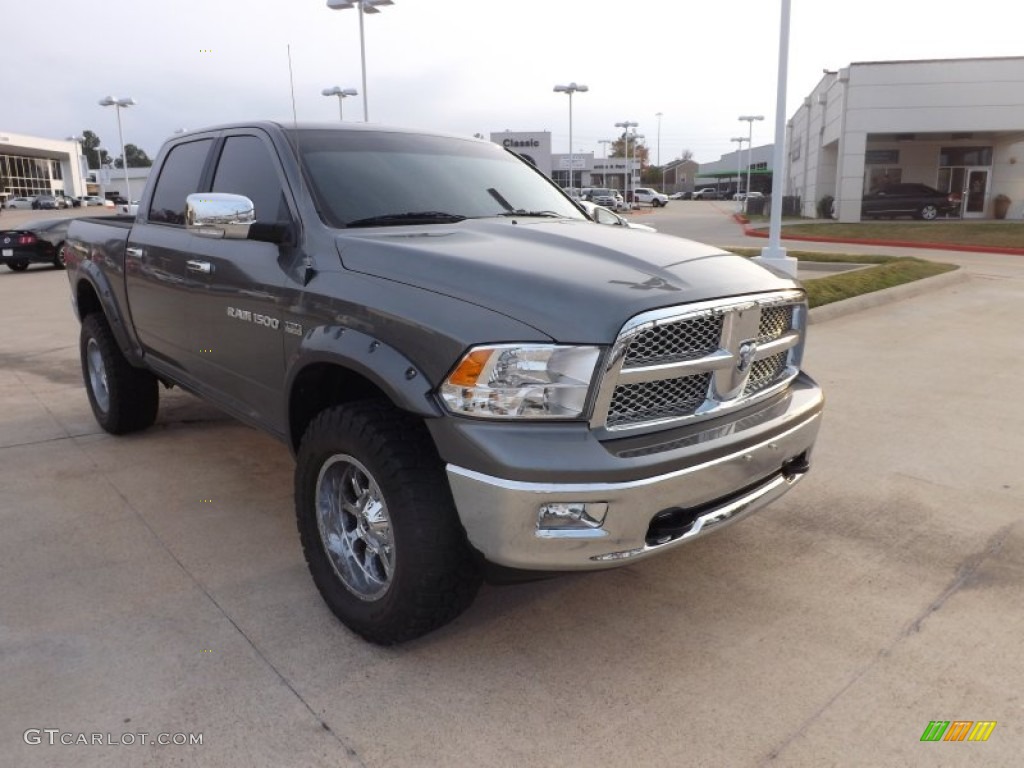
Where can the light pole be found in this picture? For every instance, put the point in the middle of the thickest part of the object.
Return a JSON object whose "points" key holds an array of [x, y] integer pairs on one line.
{"points": [[341, 93], [739, 166], [117, 104], [570, 89], [774, 253], [625, 125], [363, 6], [102, 175], [750, 144], [661, 185]]}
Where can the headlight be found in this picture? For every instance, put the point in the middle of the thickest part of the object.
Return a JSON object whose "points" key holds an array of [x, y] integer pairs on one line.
{"points": [[521, 382]]}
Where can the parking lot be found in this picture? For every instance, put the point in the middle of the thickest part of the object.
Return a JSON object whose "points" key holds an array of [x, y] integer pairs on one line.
{"points": [[155, 583]]}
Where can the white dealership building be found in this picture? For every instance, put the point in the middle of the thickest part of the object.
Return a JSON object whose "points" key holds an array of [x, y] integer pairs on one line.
{"points": [[953, 124], [31, 166]]}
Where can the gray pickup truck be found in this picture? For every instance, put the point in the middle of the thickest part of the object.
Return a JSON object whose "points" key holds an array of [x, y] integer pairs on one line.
{"points": [[476, 380]]}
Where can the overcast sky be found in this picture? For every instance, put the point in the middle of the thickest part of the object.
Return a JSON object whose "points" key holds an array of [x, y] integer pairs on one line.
{"points": [[461, 66]]}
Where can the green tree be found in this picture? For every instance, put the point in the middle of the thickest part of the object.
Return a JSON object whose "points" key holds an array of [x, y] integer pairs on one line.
{"points": [[637, 150], [137, 158], [90, 146]]}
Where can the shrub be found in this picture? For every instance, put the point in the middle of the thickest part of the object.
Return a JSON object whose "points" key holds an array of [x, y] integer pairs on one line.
{"points": [[825, 207]]}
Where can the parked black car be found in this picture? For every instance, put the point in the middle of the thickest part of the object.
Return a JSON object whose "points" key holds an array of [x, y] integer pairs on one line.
{"points": [[40, 242], [917, 200], [45, 201]]}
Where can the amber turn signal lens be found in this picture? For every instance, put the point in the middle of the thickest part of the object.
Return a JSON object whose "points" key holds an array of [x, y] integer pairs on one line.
{"points": [[470, 368]]}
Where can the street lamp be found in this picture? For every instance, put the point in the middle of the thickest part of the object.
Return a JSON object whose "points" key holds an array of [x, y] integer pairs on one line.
{"points": [[750, 144], [661, 186], [625, 125], [363, 6], [739, 166], [570, 89], [117, 104], [341, 93]]}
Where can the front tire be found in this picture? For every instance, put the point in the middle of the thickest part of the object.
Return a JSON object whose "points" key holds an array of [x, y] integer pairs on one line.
{"points": [[123, 398], [378, 524]]}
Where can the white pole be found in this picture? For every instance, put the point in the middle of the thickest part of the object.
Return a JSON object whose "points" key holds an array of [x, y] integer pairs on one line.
{"points": [[362, 53], [774, 252], [570, 185], [341, 114], [124, 156], [661, 186]]}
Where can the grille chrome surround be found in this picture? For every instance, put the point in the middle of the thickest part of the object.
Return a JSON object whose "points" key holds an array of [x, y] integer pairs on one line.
{"points": [[694, 362]]}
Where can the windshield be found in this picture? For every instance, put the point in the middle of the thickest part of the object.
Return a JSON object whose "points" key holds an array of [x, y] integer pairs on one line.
{"points": [[364, 178]]}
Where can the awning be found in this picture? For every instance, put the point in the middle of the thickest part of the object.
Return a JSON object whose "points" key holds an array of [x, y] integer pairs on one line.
{"points": [[732, 174]]}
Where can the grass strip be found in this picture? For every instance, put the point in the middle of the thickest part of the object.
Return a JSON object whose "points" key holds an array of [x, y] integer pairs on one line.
{"points": [[1003, 234], [888, 271]]}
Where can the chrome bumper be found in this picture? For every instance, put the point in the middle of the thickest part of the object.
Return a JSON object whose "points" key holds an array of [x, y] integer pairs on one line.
{"points": [[501, 516]]}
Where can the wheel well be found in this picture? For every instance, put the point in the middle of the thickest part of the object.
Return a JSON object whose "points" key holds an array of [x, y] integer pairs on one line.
{"points": [[87, 300], [321, 386]]}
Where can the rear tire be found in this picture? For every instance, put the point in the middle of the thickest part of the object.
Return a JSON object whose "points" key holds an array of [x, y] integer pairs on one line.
{"points": [[928, 212], [378, 524], [123, 398], [58, 258]]}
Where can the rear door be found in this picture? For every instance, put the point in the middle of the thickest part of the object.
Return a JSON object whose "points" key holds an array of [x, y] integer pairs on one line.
{"points": [[157, 254]]}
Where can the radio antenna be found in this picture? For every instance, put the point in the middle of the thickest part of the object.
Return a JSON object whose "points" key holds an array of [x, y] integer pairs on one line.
{"points": [[291, 80]]}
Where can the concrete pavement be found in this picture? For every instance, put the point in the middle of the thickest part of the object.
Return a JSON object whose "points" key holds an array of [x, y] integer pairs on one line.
{"points": [[155, 583]]}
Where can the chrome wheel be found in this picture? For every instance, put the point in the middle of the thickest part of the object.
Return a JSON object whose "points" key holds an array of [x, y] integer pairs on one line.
{"points": [[355, 529], [97, 375], [929, 212]]}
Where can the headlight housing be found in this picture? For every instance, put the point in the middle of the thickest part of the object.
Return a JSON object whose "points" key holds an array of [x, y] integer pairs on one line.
{"points": [[521, 381]]}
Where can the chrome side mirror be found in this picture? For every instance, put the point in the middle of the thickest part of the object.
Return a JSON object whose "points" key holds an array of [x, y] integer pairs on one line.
{"points": [[219, 215], [604, 216]]}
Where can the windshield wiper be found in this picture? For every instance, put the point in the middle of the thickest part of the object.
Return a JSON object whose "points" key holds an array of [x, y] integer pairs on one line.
{"points": [[524, 213], [409, 217]]}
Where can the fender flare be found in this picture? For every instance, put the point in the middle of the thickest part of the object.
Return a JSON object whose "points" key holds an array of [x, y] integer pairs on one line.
{"points": [[388, 369], [89, 273]]}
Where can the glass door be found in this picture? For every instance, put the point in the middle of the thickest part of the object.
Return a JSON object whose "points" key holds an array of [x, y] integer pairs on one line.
{"points": [[975, 192]]}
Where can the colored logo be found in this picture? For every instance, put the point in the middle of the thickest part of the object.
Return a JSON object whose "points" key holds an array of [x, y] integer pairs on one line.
{"points": [[958, 730]]}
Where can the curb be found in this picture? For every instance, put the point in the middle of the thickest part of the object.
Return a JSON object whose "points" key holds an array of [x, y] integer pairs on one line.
{"points": [[886, 296]]}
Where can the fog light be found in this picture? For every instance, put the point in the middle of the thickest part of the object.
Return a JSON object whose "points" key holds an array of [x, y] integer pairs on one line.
{"points": [[571, 516]]}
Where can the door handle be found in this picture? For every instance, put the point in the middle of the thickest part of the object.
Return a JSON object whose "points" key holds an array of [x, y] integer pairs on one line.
{"points": [[199, 266], [134, 252]]}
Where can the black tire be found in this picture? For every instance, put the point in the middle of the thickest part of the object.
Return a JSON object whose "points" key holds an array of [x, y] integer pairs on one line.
{"points": [[17, 266], [58, 257], [123, 398], [427, 574], [928, 212]]}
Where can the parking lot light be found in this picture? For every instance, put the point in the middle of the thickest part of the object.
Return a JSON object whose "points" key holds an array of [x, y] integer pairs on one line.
{"points": [[117, 104], [625, 125], [739, 168], [750, 143], [362, 6], [570, 89], [341, 93]]}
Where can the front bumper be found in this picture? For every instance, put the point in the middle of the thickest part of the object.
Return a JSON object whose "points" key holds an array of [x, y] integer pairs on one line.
{"points": [[767, 452]]}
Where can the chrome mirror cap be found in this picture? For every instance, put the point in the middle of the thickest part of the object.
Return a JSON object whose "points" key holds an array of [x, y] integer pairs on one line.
{"points": [[219, 215]]}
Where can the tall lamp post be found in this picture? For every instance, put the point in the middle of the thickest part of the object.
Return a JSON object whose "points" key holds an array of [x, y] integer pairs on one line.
{"points": [[739, 167], [341, 93], [363, 6], [625, 125], [117, 104], [661, 185], [570, 89], [750, 143]]}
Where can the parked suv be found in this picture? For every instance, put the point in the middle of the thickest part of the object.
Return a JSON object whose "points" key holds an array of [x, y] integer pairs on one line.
{"points": [[917, 200], [602, 196], [648, 195], [707, 193]]}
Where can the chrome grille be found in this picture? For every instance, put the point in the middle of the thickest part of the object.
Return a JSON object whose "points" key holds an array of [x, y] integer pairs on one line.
{"points": [[775, 321], [653, 400], [696, 361], [763, 373], [685, 340]]}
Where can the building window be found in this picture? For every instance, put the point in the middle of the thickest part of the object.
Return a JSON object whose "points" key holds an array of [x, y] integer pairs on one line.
{"points": [[953, 156], [878, 177]]}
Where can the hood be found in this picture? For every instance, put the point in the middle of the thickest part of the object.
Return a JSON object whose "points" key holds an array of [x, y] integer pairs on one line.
{"points": [[575, 281]]}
